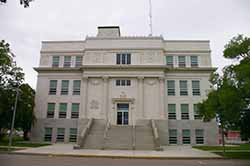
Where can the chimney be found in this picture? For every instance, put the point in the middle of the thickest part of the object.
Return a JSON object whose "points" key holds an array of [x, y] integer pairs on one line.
{"points": [[108, 31]]}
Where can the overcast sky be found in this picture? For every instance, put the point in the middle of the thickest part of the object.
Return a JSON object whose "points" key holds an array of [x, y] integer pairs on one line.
{"points": [[214, 20]]}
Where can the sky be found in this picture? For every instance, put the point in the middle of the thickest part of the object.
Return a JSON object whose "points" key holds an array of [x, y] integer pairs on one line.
{"points": [[214, 20]]}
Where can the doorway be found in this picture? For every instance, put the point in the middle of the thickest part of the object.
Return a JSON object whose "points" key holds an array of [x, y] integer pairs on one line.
{"points": [[122, 114]]}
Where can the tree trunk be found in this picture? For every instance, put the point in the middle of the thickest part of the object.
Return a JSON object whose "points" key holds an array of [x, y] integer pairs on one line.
{"points": [[26, 135], [223, 139]]}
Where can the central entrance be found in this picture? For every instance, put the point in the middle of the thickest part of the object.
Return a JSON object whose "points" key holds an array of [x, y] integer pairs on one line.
{"points": [[122, 114]]}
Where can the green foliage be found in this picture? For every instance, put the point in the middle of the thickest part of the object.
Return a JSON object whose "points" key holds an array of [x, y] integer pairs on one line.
{"points": [[25, 3], [11, 78], [238, 47]]}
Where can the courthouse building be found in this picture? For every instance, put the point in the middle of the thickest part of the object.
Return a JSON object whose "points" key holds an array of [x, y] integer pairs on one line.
{"points": [[123, 92]]}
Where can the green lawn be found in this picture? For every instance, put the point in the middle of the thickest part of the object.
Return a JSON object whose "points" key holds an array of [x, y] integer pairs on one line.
{"points": [[236, 152], [19, 142]]}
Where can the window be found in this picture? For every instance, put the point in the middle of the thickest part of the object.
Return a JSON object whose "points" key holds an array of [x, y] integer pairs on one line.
{"points": [[196, 114], [196, 88], [78, 62], [123, 82], [182, 61], [72, 134], [199, 136], [171, 87], [51, 110], [186, 136], [63, 110], [60, 134], [48, 134], [171, 111], [52, 87], [55, 61], [75, 110], [184, 111], [124, 58], [183, 88], [172, 136], [194, 61], [67, 61], [170, 61], [65, 87], [76, 87]]}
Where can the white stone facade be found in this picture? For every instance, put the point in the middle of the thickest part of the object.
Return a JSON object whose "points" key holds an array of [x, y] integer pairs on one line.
{"points": [[147, 94]]}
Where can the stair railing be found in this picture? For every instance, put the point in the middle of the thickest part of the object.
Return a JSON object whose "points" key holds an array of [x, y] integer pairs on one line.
{"points": [[105, 135], [85, 132], [156, 135]]}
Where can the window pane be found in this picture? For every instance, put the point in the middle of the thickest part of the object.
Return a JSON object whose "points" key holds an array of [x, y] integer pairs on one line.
{"points": [[118, 82], [128, 82], [183, 88], [118, 58], [65, 87], [171, 87], [196, 87], [75, 107], [63, 107], [184, 108], [51, 107], [182, 61], [128, 58], [186, 133], [78, 62], [55, 61], [194, 61], [76, 87], [123, 58], [169, 60], [123, 82], [171, 108]]}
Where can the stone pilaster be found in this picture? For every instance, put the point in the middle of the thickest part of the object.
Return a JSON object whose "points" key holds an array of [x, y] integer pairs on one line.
{"points": [[141, 96], [105, 96], [85, 96], [162, 97]]}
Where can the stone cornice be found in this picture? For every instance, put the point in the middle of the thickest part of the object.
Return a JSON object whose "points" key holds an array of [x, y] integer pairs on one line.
{"points": [[127, 67], [186, 51]]}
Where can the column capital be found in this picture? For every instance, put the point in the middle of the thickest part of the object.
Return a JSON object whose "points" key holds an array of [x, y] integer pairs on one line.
{"points": [[85, 77], [105, 78], [140, 77], [161, 79]]}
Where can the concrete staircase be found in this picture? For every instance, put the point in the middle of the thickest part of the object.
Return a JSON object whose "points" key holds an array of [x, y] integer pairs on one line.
{"points": [[94, 139], [114, 137], [144, 139], [119, 138]]}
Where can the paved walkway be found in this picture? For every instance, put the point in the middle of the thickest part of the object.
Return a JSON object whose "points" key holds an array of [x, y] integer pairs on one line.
{"points": [[169, 152]]}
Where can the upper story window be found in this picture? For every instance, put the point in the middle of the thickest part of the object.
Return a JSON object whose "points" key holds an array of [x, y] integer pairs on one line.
{"points": [[196, 113], [65, 87], [196, 88], [186, 136], [184, 111], [78, 61], [76, 87], [52, 87], [171, 87], [67, 61], [60, 134], [62, 110], [75, 110], [182, 61], [124, 58], [172, 136], [194, 61], [123, 82], [55, 61], [183, 88], [199, 136], [51, 110], [171, 111], [170, 61]]}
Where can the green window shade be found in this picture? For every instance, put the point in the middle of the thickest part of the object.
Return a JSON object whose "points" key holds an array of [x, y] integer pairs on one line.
{"points": [[60, 131], [171, 84], [73, 131], [78, 61], [183, 84], [48, 131], [173, 133], [194, 60], [77, 84], [55, 61], [181, 59], [169, 60], [184, 108], [51, 107], [171, 108], [65, 84], [75, 107], [67, 58], [199, 132], [195, 108], [53, 84], [196, 84], [186, 133], [63, 107]]}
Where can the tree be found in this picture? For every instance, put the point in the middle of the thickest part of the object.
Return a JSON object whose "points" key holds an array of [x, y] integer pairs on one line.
{"points": [[25, 3], [11, 78]]}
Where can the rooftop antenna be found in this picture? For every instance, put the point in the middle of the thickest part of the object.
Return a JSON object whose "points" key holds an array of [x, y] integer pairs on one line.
{"points": [[150, 18]]}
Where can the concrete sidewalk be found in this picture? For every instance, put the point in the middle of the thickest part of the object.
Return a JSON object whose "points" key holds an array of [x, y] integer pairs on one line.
{"points": [[174, 152]]}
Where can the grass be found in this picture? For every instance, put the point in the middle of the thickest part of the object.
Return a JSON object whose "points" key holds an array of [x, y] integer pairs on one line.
{"points": [[235, 152], [217, 148], [19, 142]]}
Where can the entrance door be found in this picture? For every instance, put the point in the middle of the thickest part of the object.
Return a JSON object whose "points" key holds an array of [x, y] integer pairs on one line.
{"points": [[122, 114]]}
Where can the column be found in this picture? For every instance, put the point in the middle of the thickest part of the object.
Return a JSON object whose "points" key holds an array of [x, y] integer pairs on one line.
{"points": [[162, 97], [85, 96], [141, 95], [105, 96]]}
